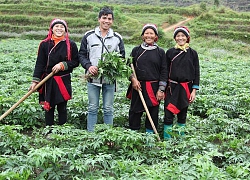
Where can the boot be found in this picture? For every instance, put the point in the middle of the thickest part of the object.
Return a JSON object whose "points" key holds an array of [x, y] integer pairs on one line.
{"points": [[167, 130], [181, 129], [149, 131]]}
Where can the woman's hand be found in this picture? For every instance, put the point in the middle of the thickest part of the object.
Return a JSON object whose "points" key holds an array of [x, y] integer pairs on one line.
{"points": [[136, 84], [32, 86], [57, 68], [160, 95], [192, 96]]}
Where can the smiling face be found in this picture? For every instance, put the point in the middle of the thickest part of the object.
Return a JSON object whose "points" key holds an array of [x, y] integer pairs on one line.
{"points": [[105, 22], [181, 38], [149, 36], [58, 30]]}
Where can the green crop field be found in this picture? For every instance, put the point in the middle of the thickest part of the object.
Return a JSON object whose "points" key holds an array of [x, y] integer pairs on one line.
{"points": [[217, 140]]}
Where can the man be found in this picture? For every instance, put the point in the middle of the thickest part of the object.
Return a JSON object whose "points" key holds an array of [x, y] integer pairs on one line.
{"points": [[95, 42]]}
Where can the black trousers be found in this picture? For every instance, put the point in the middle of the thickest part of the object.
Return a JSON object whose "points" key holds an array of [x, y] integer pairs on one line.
{"points": [[62, 114], [135, 118], [169, 116]]}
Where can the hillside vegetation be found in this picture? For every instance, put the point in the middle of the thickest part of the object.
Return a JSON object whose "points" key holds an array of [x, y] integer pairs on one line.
{"points": [[30, 19], [237, 5]]}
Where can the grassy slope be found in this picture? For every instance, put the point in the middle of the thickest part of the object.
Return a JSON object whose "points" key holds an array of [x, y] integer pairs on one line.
{"points": [[30, 19]]}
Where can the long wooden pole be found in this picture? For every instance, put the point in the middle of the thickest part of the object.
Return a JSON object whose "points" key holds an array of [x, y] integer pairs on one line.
{"points": [[145, 106], [27, 95]]}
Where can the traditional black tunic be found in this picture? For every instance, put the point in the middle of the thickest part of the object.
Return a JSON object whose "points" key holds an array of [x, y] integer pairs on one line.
{"points": [[184, 75], [58, 88], [151, 70]]}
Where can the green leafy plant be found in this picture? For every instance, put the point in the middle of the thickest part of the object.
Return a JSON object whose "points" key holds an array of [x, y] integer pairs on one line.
{"points": [[112, 67], [216, 144]]}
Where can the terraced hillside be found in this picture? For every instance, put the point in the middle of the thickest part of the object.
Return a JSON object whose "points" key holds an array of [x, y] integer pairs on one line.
{"points": [[224, 24], [236, 5], [30, 19]]}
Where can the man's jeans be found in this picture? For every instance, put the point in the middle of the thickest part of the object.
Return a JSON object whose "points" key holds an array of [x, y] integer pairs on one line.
{"points": [[93, 106]]}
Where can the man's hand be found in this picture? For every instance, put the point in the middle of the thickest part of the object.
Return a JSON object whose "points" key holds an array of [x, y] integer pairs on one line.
{"points": [[93, 70]]}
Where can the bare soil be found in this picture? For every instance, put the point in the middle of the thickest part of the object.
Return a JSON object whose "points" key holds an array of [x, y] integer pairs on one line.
{"points": [[167, 28]]}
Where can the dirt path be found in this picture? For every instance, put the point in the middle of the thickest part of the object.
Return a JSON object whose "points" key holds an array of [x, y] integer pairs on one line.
{"points": [[166, 29]]}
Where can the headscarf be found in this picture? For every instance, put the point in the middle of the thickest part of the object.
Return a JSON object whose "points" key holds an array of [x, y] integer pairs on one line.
{"points": [[50, 33], [184, 30]]}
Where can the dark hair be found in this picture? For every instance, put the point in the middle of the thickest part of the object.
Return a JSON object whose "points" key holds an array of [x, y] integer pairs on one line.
{"points": [[105, 11]]}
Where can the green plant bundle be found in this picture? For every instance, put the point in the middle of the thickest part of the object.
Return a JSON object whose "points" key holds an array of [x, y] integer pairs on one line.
{"points": [[112, 67]]}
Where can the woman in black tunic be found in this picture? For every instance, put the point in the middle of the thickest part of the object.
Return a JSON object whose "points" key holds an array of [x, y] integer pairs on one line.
{"points": [[59, 54], [183, 80], [149, 61]]}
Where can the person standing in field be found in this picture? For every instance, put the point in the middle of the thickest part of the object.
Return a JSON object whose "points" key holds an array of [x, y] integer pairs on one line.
{"points": [[94, 43], [58, 54], [183, 80], [149, 61]]}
